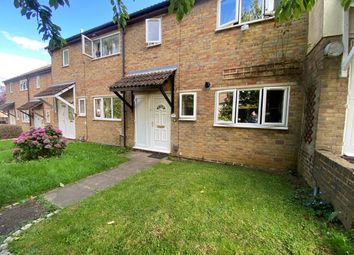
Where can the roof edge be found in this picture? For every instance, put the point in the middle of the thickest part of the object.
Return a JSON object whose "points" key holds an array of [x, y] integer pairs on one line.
{"points": [[38, 71]]}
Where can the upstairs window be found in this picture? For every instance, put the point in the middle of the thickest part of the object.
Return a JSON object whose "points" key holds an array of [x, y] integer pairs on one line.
{"points": [[23, 85], [65, 57], [38, 82], [101, 47], [243, 11], [153, 31], [259, 107]]}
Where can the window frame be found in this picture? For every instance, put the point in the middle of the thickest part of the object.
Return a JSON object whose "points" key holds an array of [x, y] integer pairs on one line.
{"points": [[82, 113], [10, 87], [102, 109], [259, 107], [188, 117], [25, 118], [153, 43], [238, 13], [67, 64], [285, 110], [38, 82], [262, 108], [216, 118], [93, 56], [22, 87]]}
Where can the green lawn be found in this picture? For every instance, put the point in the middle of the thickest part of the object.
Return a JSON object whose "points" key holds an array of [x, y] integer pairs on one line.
{"points": [[186, 208], [19, 180]]}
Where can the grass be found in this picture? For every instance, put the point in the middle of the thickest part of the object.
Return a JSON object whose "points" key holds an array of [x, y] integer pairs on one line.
{"points": [[19, 180], [187, 208]]}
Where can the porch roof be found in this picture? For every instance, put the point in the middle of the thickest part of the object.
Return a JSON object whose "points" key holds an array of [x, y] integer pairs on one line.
{"points": [[142, 81], [7, 106], [55, 89], [30, 105]]}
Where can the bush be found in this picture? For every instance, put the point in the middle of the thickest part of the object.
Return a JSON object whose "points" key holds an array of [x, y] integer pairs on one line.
{"points": [[41, 142], [9, 131]]}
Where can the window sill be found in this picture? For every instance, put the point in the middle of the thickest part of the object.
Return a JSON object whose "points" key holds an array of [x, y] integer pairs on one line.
{"points": [[187, 119], [218, 29], [112, 55], [81, 115], [249, 126], [110, 120], [151, 45], [65, 66]]}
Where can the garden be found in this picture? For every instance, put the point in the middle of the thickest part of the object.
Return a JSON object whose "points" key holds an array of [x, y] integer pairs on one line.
{"points": [[189, 208], [40, 160]]}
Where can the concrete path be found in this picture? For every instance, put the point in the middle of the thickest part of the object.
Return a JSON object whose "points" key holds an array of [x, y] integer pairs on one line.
{"points": [[86, 187]]}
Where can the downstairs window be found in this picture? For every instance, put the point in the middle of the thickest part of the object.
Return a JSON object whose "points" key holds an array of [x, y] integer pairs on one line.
{"points": [[258, 107]]}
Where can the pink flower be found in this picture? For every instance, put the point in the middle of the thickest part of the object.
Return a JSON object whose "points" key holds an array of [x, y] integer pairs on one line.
{"points": [[46, 141], [14, 141], [58, 146], [48, 146], [35, 143], [57, 130]]}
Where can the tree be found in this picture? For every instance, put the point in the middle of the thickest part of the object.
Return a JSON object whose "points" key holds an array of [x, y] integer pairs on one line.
{"points": [[287, 9]]}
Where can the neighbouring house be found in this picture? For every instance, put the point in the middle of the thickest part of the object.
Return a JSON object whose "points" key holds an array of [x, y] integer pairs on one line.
{"points": [[227, 83], [328, 121], [21, 107]]}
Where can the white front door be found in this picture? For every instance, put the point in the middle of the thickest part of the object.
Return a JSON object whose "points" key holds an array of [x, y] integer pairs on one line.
{"points": [[12, 118], [66, 120], [348, 148], [152, 123], [38, 120]]}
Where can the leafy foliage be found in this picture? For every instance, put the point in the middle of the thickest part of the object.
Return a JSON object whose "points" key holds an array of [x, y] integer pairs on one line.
{"points": [[39, 142], [287, 9], [9, 131]]}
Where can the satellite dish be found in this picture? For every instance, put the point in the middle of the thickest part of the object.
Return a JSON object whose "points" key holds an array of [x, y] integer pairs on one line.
{"points": [[334, 49]]}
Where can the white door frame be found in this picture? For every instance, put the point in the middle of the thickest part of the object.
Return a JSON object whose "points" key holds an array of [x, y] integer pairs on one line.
{"points": [[149, 97], [64, 129]]}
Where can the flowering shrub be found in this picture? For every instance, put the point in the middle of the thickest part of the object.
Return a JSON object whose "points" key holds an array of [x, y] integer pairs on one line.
{"points": [[39, 142]]}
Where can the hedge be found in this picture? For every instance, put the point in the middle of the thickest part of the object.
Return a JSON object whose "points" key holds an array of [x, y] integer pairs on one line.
{"points": [[9, 131]]}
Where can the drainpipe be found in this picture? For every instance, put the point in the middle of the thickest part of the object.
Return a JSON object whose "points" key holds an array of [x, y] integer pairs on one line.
{"points": [[123, 74], [28, 99]]}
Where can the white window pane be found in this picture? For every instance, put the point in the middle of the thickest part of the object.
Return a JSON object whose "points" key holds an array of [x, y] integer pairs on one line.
{"points": [[117, 108], [153, 30], [98, 113], [227, 11], [274, 106], [65, 58], [110, 45], [107, 108], [248, 106], [82, 106], [225, 106], [251, 10], [97, 49], [187, 105]]}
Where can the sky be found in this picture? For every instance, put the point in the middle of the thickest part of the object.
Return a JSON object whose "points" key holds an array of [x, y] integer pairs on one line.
{"points": [[22, 48]]}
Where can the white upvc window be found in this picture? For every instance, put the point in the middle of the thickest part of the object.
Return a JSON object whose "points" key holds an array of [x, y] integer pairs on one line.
{"points": [[38, 82], [100, 47], [107, 108], [188, 106], [232, 12], [224, 107], [25, 117], [257, 107], [82, 106], [10, 87], [66, 57], [153, 31], [23, 85]]}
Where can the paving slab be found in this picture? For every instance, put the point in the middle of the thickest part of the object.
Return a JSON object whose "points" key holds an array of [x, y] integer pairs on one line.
{"points": [[88, 186]]}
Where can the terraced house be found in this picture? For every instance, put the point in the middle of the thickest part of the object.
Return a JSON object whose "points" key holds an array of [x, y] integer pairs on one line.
{"points": [[228, 83]]}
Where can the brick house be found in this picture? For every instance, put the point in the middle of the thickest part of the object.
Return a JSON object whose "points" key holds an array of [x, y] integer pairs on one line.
{"points": [[226, 84], [21, 107], [327, 130]]}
